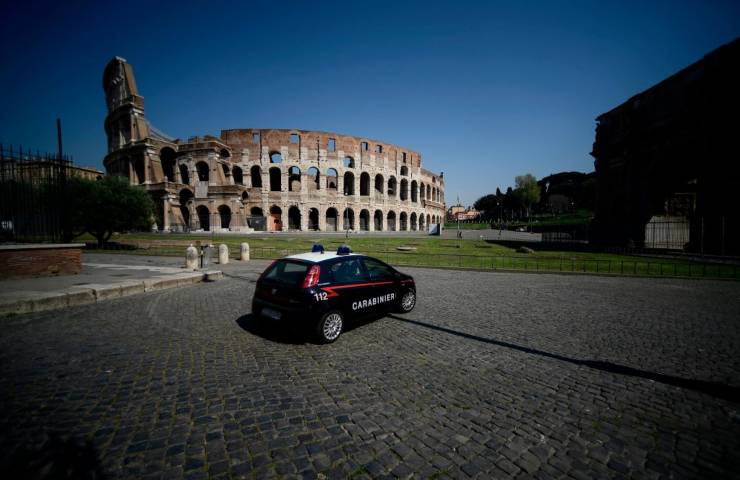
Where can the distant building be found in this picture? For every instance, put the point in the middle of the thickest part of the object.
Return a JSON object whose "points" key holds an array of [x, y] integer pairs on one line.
{"points": [[459, 212], [666, 161]]}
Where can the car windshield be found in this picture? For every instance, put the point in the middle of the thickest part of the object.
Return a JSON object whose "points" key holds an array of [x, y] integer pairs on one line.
{"points": [[287, 272]]}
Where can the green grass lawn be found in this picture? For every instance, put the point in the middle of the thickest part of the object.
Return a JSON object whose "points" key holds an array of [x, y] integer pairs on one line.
{"points": [[439, 252]]}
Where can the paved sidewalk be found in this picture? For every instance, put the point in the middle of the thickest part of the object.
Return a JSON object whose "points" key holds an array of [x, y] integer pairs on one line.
{"points": [[103, 277]]}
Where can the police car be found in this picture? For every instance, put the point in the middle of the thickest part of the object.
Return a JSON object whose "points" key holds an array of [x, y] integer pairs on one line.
{"points": [[324, 290]]}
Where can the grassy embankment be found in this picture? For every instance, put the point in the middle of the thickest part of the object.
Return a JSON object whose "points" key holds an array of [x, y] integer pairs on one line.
{"points": [[439, 252]]}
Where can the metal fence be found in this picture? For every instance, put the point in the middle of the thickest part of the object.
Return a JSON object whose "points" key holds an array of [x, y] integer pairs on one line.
{"points": [[635, 266], [33, 188]]}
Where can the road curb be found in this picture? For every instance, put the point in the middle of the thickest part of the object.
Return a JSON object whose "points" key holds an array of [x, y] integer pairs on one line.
{"points": [[34, 301]]}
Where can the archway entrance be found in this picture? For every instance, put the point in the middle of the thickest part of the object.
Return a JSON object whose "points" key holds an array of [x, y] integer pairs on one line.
{"points": [[378, 220], [331, 220], [364, 220], [313, 219], [204, 217], [275, 222], [185, 196], [225, 213], [294, 218]]}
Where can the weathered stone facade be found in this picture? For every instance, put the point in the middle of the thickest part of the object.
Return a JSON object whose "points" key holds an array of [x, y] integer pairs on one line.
{"points": [[271, 179], [671, 152]]}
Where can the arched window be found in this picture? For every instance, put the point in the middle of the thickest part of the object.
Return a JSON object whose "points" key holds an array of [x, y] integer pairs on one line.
{"points": [[256, 212], [238, 176], [275, 221], [429, 192], [139, 170], [331, 179], [348, 218], [275, 181], [185, 196], [391, 223], [184, 174], [413, 221], [378, 221], [224, 153], [203, 171], [378, 184], [365, 185], [256, 174], [404, 189], [167, 157], [364, 220], [294, 218], [414, 188], [349, 183], [225, 213], [392, 187], [403, 221], [294, 179], [276, 157], [245, 196], [421, 222], [349, 162], [314, 180], [313, 219], [331, 219], [227, 172], [404, 170], [204, 217]]}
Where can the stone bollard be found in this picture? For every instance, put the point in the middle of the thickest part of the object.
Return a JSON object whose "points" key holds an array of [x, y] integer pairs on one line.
{"points": [[191, 258], [244, 252], [223, 254]]}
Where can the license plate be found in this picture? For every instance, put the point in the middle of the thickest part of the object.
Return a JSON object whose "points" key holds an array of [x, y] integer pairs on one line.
{"points": [[270, 313]]}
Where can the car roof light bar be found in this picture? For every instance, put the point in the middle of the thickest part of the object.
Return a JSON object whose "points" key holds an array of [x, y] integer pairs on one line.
{"points": [[317, 248], [344, 250]]}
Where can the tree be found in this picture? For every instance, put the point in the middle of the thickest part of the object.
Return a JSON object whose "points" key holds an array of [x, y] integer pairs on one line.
{"points": [[527, 190], [487, 204], [102, 207]]}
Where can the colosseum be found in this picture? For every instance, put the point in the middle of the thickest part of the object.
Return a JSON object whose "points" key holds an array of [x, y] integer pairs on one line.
{"points": [[266, 179]]}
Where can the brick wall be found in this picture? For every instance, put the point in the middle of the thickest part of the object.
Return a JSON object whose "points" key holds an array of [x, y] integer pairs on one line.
{"points": [[18, 262]]}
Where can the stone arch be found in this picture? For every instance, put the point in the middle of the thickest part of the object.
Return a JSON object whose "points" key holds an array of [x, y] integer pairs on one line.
{"points": [[315, 179], [348, 219], [256, 176], [404, 190], [404, 170], [378, 221], [245, 196], [392, 186], [413, 221], [167, 158], [403, 220], [429, 192], [238, 175], [348, 162], [422, 195], [414, 193], [364, 220], [364, 184], [227, 171], [331, 219], [294, 218], [331, 179], [203, 171], [224, 153], [186, 195], [294, 179], [391, 223], [184, 174], [429, 222], [224, 212], [349, 183], [421, 222], [139, 170], [275, 180], [204, 217], [313, 218], [379, 184], [256, 212], [276, 157], [275, 221]]}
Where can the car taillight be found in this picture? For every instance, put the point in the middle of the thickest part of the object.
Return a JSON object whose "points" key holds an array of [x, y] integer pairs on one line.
{"points": [[267, 270], [312, 277]]}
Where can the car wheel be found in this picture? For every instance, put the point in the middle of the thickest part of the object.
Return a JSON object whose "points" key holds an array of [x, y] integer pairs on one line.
{"points": [[330, 327], [407, 301]]}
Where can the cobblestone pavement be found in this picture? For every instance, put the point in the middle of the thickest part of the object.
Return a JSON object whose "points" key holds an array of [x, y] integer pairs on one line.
{"points": [[492, 376]]}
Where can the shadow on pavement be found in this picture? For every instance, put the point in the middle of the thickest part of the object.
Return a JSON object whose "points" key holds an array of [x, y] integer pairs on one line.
{"points": [[714, 389], [274, 332], [55, 457]]}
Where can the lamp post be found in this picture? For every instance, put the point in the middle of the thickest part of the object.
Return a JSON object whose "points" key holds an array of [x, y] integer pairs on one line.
{"points": [[346, 216]]}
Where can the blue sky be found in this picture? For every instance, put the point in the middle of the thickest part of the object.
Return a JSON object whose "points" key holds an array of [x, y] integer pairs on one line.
{"points": [[484, 90]]}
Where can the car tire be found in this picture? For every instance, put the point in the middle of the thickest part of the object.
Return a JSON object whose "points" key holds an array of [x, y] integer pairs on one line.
{"points": [[407, 302], [330, 326]]}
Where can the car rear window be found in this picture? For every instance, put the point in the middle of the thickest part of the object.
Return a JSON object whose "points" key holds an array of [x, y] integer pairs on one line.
{"points": [[287, 272]]}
